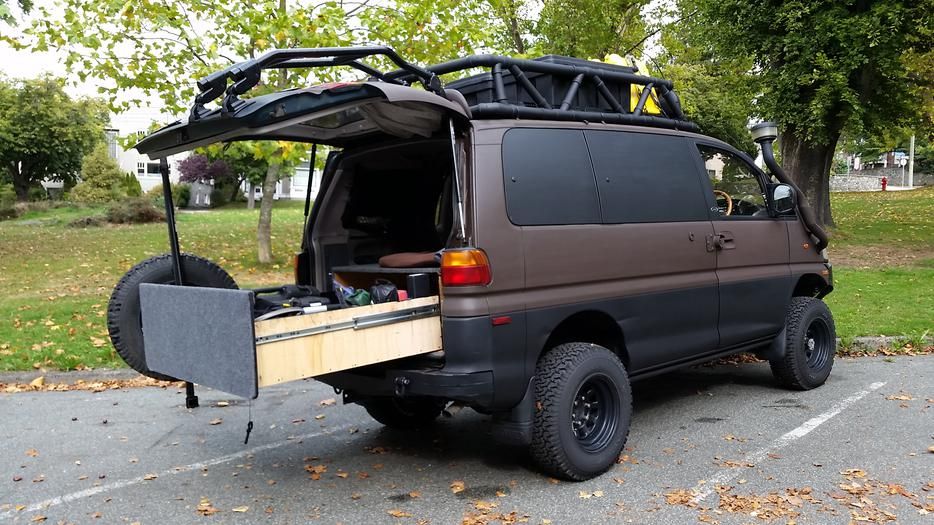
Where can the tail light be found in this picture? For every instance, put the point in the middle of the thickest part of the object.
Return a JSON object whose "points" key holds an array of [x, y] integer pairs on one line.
{"points": [[467, 267]]}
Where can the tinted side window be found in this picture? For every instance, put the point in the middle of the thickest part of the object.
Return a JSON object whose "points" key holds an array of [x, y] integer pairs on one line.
{"points": [[549, 177], [644, 177]]}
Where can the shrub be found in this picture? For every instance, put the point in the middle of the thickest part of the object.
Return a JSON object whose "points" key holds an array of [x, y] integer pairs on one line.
{"points": [[101, 179], [134, 211], [131, 186], [37, 194], [218, 198], [7, 202], [181, 194], [86, 222]]}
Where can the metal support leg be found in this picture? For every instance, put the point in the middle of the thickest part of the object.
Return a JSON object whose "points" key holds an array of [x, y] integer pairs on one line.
{"points": [[191, 400]]}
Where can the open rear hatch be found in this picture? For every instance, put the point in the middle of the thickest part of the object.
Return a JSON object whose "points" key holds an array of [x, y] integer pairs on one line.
{"points": [[337, 114]]}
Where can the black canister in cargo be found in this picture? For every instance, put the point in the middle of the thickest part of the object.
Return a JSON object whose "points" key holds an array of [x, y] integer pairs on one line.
{"points": [[418, 285]]}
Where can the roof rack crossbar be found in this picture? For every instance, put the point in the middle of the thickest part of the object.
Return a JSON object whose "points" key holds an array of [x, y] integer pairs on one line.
{"points": [[492, 110], [643, 98], [488, 61], [528, 87], [572, 92], [499, 91], [605, 93]]}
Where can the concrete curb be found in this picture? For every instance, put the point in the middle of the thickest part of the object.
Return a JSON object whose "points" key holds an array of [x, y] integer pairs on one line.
{"points": [[881, 341]]}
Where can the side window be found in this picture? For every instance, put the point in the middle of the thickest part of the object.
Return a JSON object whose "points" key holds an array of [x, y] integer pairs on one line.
{"points": [[646, 177], [549, 178], [735, 185]]}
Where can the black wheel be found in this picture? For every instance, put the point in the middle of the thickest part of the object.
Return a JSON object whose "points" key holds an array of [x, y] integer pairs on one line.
{"points": [[583, 406], [123, 313], [810, 345], [404, 413]]}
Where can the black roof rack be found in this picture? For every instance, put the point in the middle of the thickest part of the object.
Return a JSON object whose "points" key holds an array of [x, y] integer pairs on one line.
{"points": [[512, 88]]}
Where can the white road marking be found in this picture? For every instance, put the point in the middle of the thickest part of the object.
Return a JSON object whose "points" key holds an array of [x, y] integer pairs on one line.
{"points": [[723, 477], [116, 485]]}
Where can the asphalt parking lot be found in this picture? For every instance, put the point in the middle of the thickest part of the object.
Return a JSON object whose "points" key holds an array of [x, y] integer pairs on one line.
{"points": [[709, 444]]}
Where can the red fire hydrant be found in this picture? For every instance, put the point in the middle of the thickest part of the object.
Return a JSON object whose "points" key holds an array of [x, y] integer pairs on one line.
{"points": [[885, 182]]}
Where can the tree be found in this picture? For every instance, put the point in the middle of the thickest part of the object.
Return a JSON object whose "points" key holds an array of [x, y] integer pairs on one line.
{"points": [[825, 66], [44, 133], [157, 49], [590, 28], [101, 179], [6, 15]]}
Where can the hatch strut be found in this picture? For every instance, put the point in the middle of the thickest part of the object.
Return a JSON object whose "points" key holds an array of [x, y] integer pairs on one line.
{"points": [[457, 182], [191, 400]]}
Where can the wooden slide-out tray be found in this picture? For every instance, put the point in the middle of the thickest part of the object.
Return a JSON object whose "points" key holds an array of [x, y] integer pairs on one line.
{"points": [[291, 348]]}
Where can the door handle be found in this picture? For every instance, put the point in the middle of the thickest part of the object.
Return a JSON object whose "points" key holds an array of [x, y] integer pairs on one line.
{"points": [[725, 241]]}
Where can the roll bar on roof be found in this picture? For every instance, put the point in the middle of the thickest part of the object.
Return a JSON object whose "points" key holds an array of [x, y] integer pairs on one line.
{"points": [[246, 75]]}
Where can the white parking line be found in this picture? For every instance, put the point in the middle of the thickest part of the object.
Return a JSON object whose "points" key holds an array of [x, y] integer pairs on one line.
{"points": [[702, 490], [52, 502]]}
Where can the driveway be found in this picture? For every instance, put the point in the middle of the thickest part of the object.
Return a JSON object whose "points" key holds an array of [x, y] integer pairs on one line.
{"points": [[715, 444]]}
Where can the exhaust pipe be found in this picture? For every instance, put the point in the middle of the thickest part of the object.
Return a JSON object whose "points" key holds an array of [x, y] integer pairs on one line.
{"points": [[764, 134]]}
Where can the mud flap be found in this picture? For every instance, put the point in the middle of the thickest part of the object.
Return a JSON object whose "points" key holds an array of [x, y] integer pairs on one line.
{"points": [[201, 335]]}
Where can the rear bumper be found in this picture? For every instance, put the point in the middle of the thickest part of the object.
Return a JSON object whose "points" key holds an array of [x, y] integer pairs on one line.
{"points": [[471, 388]]}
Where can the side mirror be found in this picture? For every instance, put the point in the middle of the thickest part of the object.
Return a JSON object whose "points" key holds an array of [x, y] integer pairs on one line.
{"points": [[783, 199]]}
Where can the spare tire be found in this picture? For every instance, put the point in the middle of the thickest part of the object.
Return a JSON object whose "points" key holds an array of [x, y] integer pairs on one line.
{"points": [[123, 313]]}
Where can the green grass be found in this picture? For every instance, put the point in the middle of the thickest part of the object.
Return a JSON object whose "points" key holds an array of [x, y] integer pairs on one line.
{"points": [[897, 219], [56, 280], [892, 301]]}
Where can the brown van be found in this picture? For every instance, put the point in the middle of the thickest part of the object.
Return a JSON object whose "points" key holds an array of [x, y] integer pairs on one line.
{"points": [[526, 242]]}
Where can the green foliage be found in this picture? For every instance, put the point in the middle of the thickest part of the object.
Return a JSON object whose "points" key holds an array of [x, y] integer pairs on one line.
{"points": [[37, 194], [44, 133], [7, 201], [219, 197], [131, 186], [134, 211], [825, 65], [6, 15], [101, 179], [181, 194], [590, 28]]}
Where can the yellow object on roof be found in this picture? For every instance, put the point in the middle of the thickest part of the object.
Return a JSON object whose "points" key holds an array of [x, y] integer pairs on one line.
{"points": [[651, 105]]}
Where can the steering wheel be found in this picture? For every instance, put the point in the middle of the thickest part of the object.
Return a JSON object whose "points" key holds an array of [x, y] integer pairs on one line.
{"points": [[729, 200]]}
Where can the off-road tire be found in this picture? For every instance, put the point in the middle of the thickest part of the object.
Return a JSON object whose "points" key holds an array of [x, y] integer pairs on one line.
{"points": [[565, 374], [405, 413], [810, 345], [123, 312]]}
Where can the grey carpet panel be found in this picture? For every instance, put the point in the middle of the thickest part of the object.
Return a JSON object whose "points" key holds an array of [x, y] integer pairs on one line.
{"points": [[202, 335]]}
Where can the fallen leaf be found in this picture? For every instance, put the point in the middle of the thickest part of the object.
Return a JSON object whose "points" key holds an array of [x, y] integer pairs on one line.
{"points": [[38, 518], [150, 477], [242, 508], [17, 478], [32, 452], [484, 505], [396, 513], [205, 508], [223, 403], [415, 494], [216, 421], [319, 416], [342, 475], [457, 486], [37, 382], [327, 402]]}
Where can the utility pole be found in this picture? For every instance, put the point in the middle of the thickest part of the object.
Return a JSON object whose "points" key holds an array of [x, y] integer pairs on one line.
{"points": [[911, 161]]}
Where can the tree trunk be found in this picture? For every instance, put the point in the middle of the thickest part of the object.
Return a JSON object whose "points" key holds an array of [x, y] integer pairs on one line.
{"points": [[809, 165], [264, 229], [20, 183], [251, 197]]}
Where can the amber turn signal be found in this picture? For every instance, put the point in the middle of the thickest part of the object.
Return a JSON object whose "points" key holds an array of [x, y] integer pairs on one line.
{"points": [[467, 267]]}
